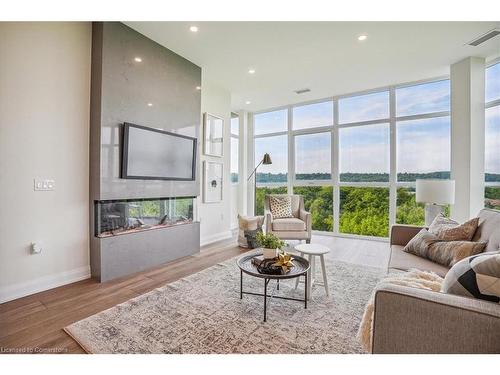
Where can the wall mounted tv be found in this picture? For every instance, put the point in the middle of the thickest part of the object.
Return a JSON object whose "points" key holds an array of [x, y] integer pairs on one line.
{"points": [[151, 154]]}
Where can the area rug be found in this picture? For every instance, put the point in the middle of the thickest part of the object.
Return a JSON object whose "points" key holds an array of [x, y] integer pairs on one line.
{"points": [[203, 313]]}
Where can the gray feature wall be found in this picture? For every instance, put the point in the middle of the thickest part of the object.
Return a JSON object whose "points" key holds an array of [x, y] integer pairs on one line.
{"points": [[121, 89]]}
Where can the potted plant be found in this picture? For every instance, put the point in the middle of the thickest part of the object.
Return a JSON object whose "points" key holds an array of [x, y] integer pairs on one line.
{"points": [[270, 244]]}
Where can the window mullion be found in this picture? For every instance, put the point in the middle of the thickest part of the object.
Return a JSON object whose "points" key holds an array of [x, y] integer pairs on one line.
{"points": [[335, 167], [393, 157]]}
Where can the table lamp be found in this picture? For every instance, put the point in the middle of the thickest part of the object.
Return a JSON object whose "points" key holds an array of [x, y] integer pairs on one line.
{"points": [[435, 194]]}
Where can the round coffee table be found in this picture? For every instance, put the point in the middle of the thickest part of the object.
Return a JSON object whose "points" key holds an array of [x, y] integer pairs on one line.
{"points": [[301, 268]]}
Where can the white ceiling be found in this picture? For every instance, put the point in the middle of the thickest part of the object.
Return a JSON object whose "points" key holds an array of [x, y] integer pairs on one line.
{"points": [[323, 56]]}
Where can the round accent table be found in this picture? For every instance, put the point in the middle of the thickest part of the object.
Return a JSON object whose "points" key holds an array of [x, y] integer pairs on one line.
{"points": [[312, 251], [301, 268]]}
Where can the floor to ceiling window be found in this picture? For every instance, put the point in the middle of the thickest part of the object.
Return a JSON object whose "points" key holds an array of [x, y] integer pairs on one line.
{"points": [[492, 137], [270, 130], [355, 158]]}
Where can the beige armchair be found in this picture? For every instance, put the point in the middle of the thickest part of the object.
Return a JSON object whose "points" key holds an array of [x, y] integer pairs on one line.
{"points": [[296, 228]]}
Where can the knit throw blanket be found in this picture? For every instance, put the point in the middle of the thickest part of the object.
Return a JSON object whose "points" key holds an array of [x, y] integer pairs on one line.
{"points": [[413, 278]]}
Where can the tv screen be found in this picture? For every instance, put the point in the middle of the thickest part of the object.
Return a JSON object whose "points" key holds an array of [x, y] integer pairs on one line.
{"points": [[152, 154]]}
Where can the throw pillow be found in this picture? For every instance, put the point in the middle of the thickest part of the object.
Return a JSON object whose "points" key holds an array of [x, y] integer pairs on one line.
{"points": [[251, 237], [248, 223], [448, 253], [449, 230], [429, 246], [477, 276], [281, 206]]}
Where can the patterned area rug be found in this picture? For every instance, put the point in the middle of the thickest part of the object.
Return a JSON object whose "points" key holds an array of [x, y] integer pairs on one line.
{"points": [[203, 313]]}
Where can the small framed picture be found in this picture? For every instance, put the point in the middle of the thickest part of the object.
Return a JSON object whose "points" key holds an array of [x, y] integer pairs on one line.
{"points": [[213, 133], [212, 184]]}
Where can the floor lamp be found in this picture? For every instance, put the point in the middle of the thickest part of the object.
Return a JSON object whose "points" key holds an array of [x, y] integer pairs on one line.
{"points": [[266, 160], [435, 194]]}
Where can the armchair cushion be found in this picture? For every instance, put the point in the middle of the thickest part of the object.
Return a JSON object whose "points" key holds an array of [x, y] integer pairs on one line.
{"points": [[289, 224]]}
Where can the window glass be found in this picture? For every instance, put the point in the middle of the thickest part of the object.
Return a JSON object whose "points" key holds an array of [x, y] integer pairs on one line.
{"points": [[235, 126], [423, 98], [364, 153], [492, 144], [364, 211], [318, 200], [492, 87], [313, 115], [423, 149], [271, 122], [277, 148], [364, 108], [234, 159], [313, 156]]}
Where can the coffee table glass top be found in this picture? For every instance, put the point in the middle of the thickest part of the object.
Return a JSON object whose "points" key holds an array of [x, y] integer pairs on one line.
{"points": [[246, 265]]}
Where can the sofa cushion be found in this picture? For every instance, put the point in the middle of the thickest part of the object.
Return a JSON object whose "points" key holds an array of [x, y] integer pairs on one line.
{"points": [[401, 260], [289, 224], [489, 229], [449, 230], [476, 276], [446, 253]]}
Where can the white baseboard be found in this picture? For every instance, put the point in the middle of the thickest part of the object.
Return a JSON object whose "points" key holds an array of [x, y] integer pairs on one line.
{"points": [[216, 237], [11, 292]]}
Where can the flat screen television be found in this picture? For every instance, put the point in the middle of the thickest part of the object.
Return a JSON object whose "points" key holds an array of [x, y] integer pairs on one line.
{"points": [[151, 154]]}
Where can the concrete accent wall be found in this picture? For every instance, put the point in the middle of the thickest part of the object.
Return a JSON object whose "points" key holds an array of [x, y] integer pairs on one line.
{"points": [[467, 136], [122, 89], [44, 133]]}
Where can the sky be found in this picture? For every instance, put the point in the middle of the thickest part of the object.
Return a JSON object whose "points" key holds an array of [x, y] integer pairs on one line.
{"points": [[422, 145]]}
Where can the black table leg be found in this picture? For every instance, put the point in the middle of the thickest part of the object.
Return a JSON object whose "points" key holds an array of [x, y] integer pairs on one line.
{"points": [[305, 292], [265, 300], [241, 284], [278, 286]]}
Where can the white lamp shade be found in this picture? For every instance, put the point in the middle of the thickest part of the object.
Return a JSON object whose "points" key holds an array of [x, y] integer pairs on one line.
{"points": [[436, 191]]}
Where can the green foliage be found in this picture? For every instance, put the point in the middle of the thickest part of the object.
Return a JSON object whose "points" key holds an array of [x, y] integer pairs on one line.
{"points": [[269, 241], [364, 211], [318, 200], [492, 197], [408, 210]]}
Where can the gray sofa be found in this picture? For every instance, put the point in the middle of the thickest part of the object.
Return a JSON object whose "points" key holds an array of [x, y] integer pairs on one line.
{"points": [[410, 320]]}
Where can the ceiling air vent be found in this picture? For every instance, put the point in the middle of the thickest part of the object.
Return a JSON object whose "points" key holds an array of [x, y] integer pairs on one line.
{"points": [[483, 38], [302, 91]]}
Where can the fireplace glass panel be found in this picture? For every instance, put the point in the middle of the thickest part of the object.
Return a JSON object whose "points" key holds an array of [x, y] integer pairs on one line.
{"points": [[133, 215]]}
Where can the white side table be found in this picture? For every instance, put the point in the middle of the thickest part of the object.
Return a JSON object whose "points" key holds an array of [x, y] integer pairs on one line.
{"points": [[312, 251]]}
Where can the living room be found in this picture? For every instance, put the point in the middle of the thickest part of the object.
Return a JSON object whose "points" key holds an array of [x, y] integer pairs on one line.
{"points": [[250, 186]]}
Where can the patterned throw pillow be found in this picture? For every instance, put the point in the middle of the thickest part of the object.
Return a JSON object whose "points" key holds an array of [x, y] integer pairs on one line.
{"points": [[429, 246], [476, 276], [450, 230], [281, 206]]}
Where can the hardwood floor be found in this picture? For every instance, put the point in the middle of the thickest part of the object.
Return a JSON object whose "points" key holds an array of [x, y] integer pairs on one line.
{"points": [[35, 323]]}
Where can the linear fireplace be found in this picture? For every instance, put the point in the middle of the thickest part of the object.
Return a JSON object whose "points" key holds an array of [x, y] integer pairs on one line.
{"points": [[117, 217]]}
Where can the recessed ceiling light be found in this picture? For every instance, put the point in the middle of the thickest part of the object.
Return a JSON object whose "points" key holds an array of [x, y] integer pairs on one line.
{"points": [[251, 71], [194, 29], [198, 87], [150, 104], [362, 37], [137, 59], [248, 102]]}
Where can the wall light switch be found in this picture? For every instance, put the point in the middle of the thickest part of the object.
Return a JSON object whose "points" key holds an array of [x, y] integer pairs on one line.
{"points": [[43, 184]]}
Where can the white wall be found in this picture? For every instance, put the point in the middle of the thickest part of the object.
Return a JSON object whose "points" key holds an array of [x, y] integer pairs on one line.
{"points": [[215, 218], [44, 133]]}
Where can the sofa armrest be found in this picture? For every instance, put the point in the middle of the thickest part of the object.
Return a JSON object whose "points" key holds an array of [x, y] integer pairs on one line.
{"points": [[269, 221], [402, 234], [306, 218], [410, 320]]}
